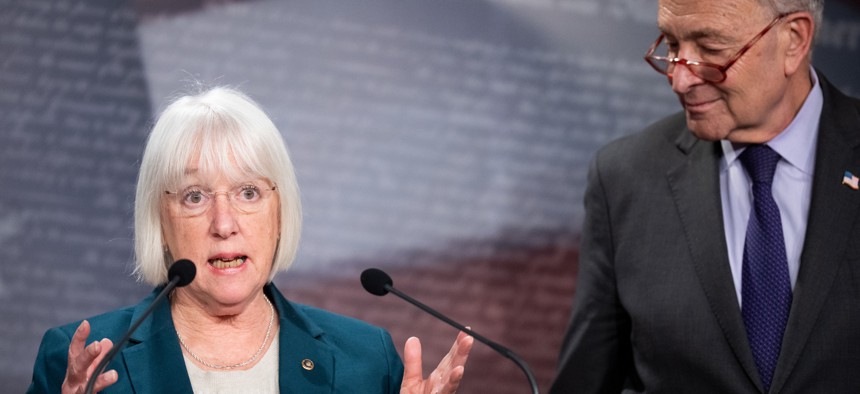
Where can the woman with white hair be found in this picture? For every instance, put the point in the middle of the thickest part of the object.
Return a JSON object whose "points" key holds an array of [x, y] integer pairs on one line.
{"points": [[217, 187]]}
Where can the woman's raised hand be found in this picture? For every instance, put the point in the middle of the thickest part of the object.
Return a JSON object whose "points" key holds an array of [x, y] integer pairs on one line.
{"points": [[83, 360], [445, 378]]}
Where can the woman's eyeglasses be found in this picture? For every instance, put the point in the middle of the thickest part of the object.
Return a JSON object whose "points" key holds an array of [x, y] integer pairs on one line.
{"points": [[195, 200]]}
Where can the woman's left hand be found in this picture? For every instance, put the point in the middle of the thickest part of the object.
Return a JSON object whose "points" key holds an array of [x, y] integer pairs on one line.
{"points": [[445, 378]]}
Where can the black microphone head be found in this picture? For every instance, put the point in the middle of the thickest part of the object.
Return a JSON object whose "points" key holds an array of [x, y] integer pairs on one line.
{"points": [[184, 269], [374, 281]]}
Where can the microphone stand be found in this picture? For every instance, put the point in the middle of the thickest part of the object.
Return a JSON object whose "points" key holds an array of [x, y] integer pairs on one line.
{"points": [[495, 346], [184, 269]]}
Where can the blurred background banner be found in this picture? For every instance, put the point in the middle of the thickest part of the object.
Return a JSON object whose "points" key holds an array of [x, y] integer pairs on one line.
{"points": [[444, 141]]}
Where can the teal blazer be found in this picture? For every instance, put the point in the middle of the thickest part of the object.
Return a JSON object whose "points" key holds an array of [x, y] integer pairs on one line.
{"points": [[349, 356]]}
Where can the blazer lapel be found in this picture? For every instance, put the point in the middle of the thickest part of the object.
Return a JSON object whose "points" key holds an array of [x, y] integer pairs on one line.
{"points": [[696, 190], [832, 214], [306, 362], [155, 364], [153, 357]]}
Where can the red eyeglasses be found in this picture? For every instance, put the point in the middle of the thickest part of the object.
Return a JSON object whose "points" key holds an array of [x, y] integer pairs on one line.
{"points": [[707, 71]]}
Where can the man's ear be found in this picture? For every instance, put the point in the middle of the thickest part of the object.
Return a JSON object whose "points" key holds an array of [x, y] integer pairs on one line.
{"points": [[799, 30]]}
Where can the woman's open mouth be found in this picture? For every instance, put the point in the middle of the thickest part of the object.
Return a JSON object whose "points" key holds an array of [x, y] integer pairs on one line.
{"points": [[227, 263]]}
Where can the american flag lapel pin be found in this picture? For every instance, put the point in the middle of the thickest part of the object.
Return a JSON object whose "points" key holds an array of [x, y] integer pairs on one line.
{"points": [[851, 180]]}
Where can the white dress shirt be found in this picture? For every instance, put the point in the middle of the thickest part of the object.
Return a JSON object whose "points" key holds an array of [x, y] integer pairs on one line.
{"points": [[792, 186]]}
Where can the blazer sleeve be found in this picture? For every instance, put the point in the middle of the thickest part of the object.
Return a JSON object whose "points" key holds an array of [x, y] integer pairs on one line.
{"points": [[596, 356], [395, 365], [49, 370]]}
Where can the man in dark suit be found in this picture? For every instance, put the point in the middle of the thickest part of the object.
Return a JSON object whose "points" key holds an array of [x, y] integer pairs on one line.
{"points": [[721, 246]]}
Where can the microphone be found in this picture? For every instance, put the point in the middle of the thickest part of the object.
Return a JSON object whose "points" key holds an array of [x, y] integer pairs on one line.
{"points": [[181, 273], [377, 282]]}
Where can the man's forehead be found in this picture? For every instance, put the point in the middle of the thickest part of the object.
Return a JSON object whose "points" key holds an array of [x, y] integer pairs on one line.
{"points": [[705, 18], [709, 6]]}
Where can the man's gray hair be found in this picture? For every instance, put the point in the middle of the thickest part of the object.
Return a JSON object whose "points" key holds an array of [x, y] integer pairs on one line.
{"points": [[814, 7]]}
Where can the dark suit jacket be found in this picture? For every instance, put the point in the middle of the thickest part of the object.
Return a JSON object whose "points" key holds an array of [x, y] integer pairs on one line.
{"points": [[349, 356], [655, 308]]}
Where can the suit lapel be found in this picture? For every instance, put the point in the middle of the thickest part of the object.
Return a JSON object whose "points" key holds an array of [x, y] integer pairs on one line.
{"points": [[832, 214], [696, 191], [306, 361], [153, 358], [154, 363]]}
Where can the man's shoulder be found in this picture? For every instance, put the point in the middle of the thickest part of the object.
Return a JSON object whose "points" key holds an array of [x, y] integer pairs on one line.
{"points": [[840, 108], [653, 142]]}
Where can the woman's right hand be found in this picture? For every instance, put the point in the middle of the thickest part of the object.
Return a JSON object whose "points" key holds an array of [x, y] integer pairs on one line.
{"points": [[84, 359]]}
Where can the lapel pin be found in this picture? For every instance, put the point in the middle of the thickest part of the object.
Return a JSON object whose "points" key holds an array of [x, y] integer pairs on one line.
{"points": [[307, 364], [851, 180]]}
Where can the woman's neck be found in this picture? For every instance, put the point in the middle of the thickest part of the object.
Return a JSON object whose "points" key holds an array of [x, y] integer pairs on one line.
{"points": [[212, 337]]}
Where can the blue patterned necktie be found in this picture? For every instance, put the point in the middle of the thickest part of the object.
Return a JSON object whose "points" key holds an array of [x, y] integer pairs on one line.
{"points": [[766, 287]]}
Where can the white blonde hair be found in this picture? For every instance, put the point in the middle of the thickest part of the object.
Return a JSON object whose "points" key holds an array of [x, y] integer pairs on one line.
{"points": [[228, 134]]}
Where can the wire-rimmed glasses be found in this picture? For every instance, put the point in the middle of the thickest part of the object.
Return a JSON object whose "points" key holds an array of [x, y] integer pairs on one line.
{"points": [[246, 197], [709, 72]]}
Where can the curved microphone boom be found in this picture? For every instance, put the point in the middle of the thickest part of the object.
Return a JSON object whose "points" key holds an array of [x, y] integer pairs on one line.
{"points": [[377, 282], [181, 273]]}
